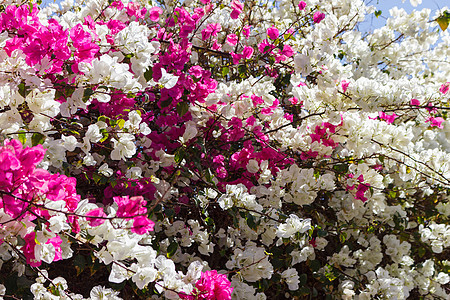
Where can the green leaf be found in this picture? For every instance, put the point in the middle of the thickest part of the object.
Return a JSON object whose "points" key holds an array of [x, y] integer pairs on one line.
{"points": [[343, 237], [37, 139], [22, 137], [209, 221], [341, 168], [179, 155], [172, 249], [314, 265], [105, 137], [166, 103], [148, 75], [251, 222], [182, 108], [444, 20], [121, 123], [169, 212], [22, 89], [378, 13], [87, 94], [322, 233], [303, 279], [96, 177], [209, 176], [242, 69], [225, 71], [80, 263], [103, 119]]}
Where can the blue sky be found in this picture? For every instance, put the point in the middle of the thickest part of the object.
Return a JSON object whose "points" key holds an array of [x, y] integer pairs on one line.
{"points": [[385, 5]]}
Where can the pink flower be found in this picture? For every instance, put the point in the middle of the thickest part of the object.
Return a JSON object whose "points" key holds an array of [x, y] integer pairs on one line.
{"points": [[246, 31], [272, 33], [344, 85], [117, 4], [97, 215], [206, 34], [302, 5], [211, 30], [287, 51], [265, 46], [56, 242], [213, 286], [415, 102], [444, 88], [236, 57], [130, 207], [388, 118], [196, 71], [257, 100], [435, 122], [318, 17], [215, 28], [232, 39], [142, 225], [133, 9], [28, 249], [219, 159], [154, 13], [221, 172], [216, 45], [293, 100], [237, 9], [247, 53]]}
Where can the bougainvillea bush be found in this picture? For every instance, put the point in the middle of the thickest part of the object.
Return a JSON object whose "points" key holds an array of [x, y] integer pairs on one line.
{"points": [[223, 150]]}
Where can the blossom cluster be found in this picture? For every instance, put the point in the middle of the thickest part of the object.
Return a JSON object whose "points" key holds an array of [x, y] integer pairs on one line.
{"points": [[223, 150]]}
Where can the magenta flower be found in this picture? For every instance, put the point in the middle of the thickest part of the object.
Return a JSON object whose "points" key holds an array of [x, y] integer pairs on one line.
{"points": [[246, 31], [232, 39], [97, 215], [415, 102], [388, 118], [154, 13], [130, 207], [247, 53], [344, 85], [444, 88], [272, 33], [302, 5], [142, 225], [237, 9], [213, 286], [134, 208], [435, 122], [318, 17]]}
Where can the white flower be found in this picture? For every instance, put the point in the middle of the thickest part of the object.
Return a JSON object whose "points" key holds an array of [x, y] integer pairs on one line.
{"points": [[93, 133], [69, 142], [134, 173], [105, 170], [168, 80], [102, 293], [293, 225], [124, 147], [252, 166], [189, 133], [291, 277], [119, 273], [144, 276], [415, 3]]}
